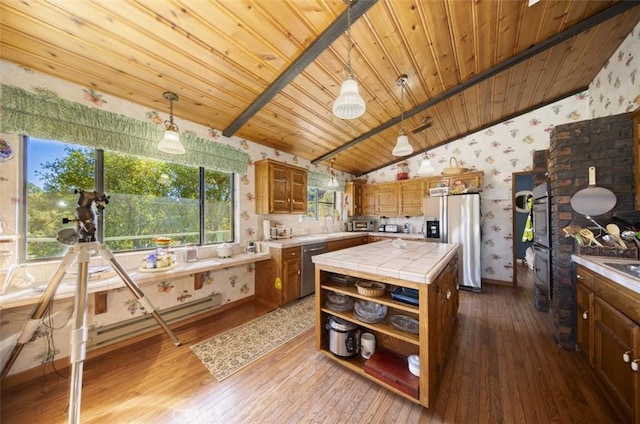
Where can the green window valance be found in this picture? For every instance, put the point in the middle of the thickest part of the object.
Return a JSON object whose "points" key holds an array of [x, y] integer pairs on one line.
{"points": [[316, 179], [52, 118]]}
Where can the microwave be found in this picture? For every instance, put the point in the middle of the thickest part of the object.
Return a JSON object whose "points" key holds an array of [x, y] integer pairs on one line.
{"points": [[362, 225]]}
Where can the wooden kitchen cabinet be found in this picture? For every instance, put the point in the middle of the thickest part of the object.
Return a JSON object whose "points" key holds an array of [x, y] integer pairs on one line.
{"points": [[278, 279], [369, 197], [280, 188], [435, 313], [353, 190], [387, 199], [410, 197], [584, 311], [615, 339], [333, 245]]}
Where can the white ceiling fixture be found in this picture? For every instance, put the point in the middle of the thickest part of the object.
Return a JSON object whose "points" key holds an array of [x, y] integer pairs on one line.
{"points": [[170, 143], [333, 181], [402, 148], [426, 167], [349, 104]]}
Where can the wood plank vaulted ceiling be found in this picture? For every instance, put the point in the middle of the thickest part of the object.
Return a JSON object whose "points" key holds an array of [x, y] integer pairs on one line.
{"points": [[269, 70]]}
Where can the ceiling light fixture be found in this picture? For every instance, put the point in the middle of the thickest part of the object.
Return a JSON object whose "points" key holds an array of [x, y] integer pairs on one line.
{"points": [[170, 143], [333, 181], [349, 104], [402, 148], [426, 167]]}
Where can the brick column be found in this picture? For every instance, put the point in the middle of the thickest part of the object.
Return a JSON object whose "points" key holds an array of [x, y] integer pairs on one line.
{"points": [[607, 144]]}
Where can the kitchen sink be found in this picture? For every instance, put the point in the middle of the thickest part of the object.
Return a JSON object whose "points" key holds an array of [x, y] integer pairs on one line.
{"points": [[630, 268]]}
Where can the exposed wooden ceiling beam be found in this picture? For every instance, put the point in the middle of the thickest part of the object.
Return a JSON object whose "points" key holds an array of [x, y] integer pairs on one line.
{"points": [[580, 27], [335, 30]]}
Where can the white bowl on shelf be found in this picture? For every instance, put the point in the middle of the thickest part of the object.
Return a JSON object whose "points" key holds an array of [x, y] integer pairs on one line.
{"points": [[414, 365]]}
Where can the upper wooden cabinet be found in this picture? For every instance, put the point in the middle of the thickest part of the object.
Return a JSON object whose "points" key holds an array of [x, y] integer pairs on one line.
{"points": [[387, 199], [280, 188], [369, 197], [410, 197], [353, 194]]}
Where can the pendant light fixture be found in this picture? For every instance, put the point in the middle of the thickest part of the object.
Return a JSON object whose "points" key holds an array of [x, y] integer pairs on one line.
{"points": [[170, 143], [333, 181], [402, 148], [349, 104], [426, 167]]}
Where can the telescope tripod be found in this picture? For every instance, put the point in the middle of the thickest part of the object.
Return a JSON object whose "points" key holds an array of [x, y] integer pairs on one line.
{"points": [[81, 252]]}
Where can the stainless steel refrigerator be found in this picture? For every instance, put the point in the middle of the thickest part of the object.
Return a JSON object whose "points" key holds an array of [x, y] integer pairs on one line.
{"points": [[456, 219]]}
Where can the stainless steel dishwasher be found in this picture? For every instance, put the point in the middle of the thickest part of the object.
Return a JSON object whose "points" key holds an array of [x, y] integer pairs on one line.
{"points": [[308, 284]]}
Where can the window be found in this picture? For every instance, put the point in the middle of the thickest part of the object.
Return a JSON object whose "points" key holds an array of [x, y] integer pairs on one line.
{"points": [[320, 203], [148, 198]]}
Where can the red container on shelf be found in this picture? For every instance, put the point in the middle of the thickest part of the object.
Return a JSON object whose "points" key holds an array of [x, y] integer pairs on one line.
{"points": [[393, 369]]}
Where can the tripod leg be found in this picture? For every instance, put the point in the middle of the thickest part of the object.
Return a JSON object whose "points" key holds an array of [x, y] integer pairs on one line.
{"points": [[32, 324], [79, 336], [137, 292]]}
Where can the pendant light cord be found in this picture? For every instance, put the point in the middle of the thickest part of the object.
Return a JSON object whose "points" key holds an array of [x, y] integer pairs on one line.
{"points": [[348, 70]]}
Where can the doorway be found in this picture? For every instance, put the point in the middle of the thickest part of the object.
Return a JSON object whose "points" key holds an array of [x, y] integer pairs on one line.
{"points": [[522, 189]]}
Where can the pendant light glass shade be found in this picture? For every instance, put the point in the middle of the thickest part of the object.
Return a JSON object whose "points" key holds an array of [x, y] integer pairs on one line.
{"points": [[402, 148], [333, 181], [349, 104], [170, 142], [425, 166]]}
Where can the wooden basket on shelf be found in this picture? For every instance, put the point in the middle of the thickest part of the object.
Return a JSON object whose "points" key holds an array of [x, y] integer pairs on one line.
{"points": [[370, 288], [454, 169]]}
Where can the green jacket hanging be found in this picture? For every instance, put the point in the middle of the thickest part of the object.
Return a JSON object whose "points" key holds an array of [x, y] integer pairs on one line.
{"points": [[527, 234]]}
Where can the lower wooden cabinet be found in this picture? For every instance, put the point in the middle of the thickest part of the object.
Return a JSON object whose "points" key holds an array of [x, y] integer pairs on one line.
{"points": [[278, 279], [608, 330], [333, 245]]}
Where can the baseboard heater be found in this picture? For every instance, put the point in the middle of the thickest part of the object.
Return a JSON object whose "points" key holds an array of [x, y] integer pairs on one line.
{"points": [[105, 335]]}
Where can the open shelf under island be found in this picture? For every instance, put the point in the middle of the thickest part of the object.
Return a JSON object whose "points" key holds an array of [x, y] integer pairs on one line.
{"points": [[431, 269]]}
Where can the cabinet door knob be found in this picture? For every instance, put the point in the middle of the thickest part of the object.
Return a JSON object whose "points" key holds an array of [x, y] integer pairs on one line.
{"points": [[579, 277], [585, 315], [635, 365], [448, 294], [626, 357]]}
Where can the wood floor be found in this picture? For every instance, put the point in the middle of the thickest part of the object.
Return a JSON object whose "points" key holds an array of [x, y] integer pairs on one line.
{"points": [[503, 368]]}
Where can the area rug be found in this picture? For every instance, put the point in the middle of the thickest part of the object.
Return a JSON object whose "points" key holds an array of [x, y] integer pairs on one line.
{"points": [[229, 352]]}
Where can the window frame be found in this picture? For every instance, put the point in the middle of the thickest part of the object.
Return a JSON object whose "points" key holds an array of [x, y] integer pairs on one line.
{"points": [[99, 181]]}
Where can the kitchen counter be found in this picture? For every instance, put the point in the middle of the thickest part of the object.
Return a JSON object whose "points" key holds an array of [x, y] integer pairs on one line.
{"points": [[14, 298], [316, 238], [598, 264], [418, 262]]}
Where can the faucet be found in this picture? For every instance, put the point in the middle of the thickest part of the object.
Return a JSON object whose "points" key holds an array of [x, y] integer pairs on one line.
{"points": [[326, 229]]}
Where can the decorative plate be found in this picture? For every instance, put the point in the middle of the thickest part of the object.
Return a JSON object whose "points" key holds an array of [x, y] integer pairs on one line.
{"points": [[6, 152], [405, 323]]}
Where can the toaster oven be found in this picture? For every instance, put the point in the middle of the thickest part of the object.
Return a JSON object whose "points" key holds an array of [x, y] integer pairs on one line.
{"points": [[362, 225]]}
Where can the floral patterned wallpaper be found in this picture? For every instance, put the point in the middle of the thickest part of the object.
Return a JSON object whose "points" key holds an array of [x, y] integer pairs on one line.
{"points": [[507, 147]]}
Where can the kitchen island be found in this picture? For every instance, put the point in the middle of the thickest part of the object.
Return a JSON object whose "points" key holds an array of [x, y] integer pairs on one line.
{"points": [[429, 269]]}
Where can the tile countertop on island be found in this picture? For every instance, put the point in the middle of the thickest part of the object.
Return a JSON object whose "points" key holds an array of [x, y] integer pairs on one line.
{"points": [[598, 264], [15, 298], [417, 261], [318, 238]]}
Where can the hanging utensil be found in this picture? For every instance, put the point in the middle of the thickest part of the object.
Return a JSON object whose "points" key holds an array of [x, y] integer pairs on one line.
{"points": [[593, 200], [586, 233], [614, 230]]}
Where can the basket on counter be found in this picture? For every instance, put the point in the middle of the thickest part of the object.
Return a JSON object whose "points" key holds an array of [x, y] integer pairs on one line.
{"points": [[631, 252], [370, 288]]}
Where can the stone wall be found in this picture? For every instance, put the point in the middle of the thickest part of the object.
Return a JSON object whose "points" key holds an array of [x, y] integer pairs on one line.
{"points": [[607, 144]]}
